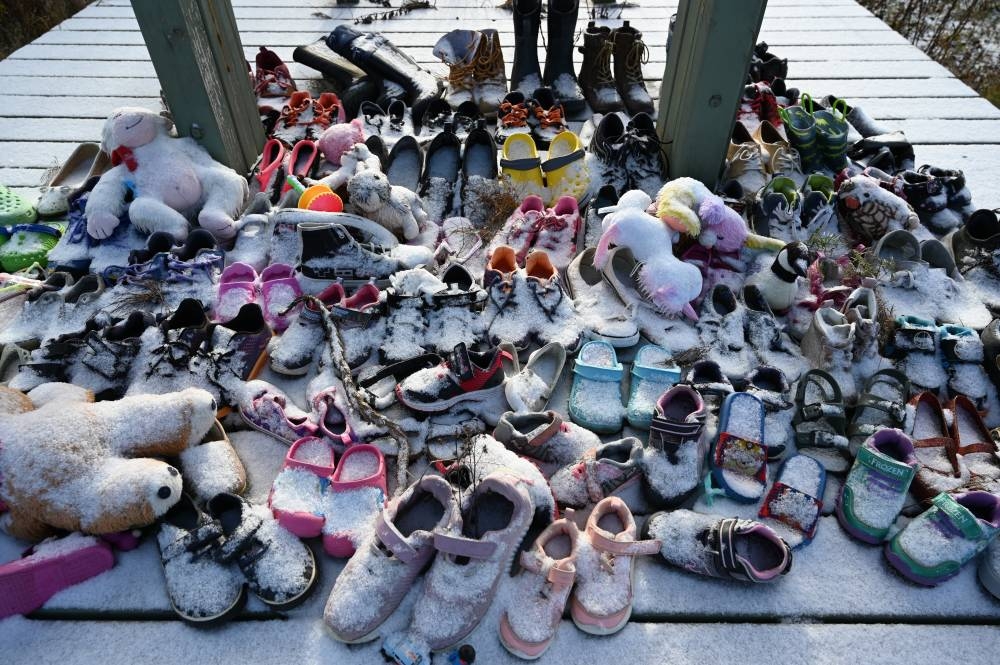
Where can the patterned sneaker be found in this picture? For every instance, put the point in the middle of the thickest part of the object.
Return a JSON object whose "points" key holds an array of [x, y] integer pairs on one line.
{"points": [[545, 437], [464, 376], [601, 471]]}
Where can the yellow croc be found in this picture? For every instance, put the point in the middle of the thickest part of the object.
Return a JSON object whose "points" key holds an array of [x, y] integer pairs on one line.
{"points": [[566, 172], [521, 163]]}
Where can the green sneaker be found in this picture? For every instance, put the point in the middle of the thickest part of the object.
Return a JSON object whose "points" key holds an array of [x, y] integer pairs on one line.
{"points": [[28, 244], [876, 486], [935, 545], [803, 133], [819, 205], [14, 208]]}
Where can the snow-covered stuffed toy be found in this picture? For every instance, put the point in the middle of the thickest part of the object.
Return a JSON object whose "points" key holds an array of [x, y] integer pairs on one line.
{"points": [[677, 204], [871, 211], [170, 181], [394, 207], [355, 160], [69, 463], [338, 139], [722, 228], [779, 283]]}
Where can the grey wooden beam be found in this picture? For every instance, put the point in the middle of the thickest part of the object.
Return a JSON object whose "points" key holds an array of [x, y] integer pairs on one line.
{"points": [[196, 52], [707, 64]]}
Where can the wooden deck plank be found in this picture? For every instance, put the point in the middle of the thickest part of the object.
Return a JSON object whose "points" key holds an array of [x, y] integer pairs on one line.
{"points": [[926, 107], [889, 88], [45, 106]]}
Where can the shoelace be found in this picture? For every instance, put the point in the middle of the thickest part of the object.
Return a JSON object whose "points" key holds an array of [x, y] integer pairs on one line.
{"points": [[177, 353], [290, 114], [461, 76], [266, 78], [552, 117], [637, 145], [513, 115], [489, 60], [602, 63], [324, 115], [637, 56]]}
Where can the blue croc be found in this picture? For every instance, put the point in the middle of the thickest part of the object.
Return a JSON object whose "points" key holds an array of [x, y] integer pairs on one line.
{"points": [[595, 399], [739, 456], [795, 500], [653, 372]]}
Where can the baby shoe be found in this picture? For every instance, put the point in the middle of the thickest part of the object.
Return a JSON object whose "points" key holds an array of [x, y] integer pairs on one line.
{"points": [[672, 463], [793, 504], [707, 378], [237, 287], [279, 569], [212, 466], [386, 564], [545, 437], [296, 497], [605, 316], [452, 314], [462, 581], [27, 244], [554, 317], [595, 398], [975, 445], [601, 472], [933, 547], [540, 592], [333, 416], [941, 469], [267, 409], [989, 569], [728, 548], [875, 489], [558, 230], [769, 385], [602, 599], [278, 290], [962, 358], [352, 499], [882, 403], [653, 372], [530, 389], [739, 456], [820, 421]]}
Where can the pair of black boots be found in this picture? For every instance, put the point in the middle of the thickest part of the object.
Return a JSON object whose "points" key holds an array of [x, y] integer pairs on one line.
{"points": [[526, 75], [609, 89]]}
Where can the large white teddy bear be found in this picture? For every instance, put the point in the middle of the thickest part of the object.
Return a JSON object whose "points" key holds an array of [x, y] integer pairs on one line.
{"points": [[171, 181]]}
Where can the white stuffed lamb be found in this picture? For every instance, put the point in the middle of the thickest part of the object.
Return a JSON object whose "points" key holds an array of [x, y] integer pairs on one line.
{"points": [[394, 207], [355, 160], [171, 180]]}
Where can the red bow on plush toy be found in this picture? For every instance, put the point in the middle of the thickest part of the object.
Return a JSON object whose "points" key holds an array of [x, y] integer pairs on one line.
{"points": [[124, 154]]}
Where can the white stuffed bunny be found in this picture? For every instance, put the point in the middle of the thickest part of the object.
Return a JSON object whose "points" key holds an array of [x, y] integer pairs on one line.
{"points": [[394, 207], [355, 160]]}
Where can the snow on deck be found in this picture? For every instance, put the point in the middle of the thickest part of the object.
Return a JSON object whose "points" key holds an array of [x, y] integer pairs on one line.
{"points": [[840, 603]]}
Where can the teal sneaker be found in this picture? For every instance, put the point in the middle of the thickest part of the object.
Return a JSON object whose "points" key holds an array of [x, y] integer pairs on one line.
{"points": [[935, 545], [876, 486]]}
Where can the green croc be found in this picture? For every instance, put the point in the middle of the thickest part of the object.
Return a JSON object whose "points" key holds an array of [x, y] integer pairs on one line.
{"points": [[14, 208], [28, 244]]}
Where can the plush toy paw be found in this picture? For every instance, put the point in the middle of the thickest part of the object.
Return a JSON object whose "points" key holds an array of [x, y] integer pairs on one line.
{"points": [[101, 225], [218, 223]]}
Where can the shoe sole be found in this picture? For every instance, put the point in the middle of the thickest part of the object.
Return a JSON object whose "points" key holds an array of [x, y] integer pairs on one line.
{"points": [[600, 631], [30, 586], [988, 577], [436, 407], [230, 612]]}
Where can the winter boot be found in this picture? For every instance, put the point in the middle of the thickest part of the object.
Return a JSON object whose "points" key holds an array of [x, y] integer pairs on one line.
{"points": [[526, 75], [596, 77], [559, 74], [630, 53], [490, 78]]}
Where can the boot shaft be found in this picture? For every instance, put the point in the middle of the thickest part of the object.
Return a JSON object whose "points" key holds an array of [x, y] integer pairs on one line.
{"points": [[629, 51], [598, 46], [562, 15], [527, 21]]}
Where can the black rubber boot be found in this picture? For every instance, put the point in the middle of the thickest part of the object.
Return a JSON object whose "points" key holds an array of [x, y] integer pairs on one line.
{"points": [[559, 74], [630, 52], [596, 77], [376, 55], [526, 74]]}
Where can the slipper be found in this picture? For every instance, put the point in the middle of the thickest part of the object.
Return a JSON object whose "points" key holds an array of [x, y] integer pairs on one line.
{"points": [[976, 446], [353, 499], [300, 162], [237, 287], [530, 389], [882, 403], [519, 161], [795, 501], [940, 470], [296, 497], [272, 158], [28, 244], [74, 172], [595, 398], [820, 421], [739, 456], [565, 170], [278, 290], [212, 466], [653, 372]]}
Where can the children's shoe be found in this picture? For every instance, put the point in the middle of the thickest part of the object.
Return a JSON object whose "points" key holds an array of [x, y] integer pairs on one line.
{"points": [[605, 317], [707, 378], [442, 172], [406, 326], [521, 228], [989, 569], [975, 445], [237, 287], [279, 569], [933, 547], [14, 208], [201, 588], [292, 353], [728, 548], [548, 571], [530, 389], [962, 357], [519, 161], [566, 176], [739, 456], [352, 499], [557, 231], [820, 420], [777, 212], [27, 244], [793, 505], [465, 376], [545, 437], [941, 469], [829, 343], [383, 569], [278, 290], [295, 119], [601, 472], [602, 600], [452, 314], [882, 404], [721, 325], [555, 317], [505, 316], [595, 398], [672, 463], [49, 567], [548, 118], [334, 416], [653, 372], [270, 411], [296, 497], [460, 585], [212, 466], [875, 489]]}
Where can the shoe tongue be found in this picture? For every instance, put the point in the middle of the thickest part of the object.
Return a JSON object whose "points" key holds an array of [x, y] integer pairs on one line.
{"points": [[460, 363]]}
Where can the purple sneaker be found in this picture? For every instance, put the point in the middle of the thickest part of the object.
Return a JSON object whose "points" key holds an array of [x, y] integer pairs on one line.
{"points": [[672, 464]]}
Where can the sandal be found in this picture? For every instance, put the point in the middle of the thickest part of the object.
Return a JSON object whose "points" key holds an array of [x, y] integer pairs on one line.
{"points": [[820, 421], [940, 468], [975, 444], [595, 398], [15, 209], [565, 170], [882, 403], [739, 456], [519, 161], [795, 501]]}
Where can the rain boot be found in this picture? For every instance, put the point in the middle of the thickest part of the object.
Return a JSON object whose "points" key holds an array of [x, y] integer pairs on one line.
{"points": [[559, 74], [526, 75]]}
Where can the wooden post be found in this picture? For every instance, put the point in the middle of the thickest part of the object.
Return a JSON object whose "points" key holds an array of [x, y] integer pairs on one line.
{"points": [[707, 65], [196, 51]]}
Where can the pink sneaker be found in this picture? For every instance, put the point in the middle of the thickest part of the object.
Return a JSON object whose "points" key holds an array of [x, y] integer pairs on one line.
{"points": [[296, 497], [48, 568], [237, 287], [353, 499], [557, 231], [278, 290], [548, 571], [602, 601], [520, 229], [270, 411], [332, 414]]}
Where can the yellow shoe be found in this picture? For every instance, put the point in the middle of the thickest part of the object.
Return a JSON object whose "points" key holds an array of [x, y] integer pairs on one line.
{"points": [[520, 162], [566, 172]]}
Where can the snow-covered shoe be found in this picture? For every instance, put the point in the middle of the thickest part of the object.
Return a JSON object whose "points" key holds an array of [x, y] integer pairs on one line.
{"points": [[644, 155], [202, 589], [861, 309], [629, 55], [545, 437], [914, 344], [506, 316], [465, 376], [461, 583], [567, 177], [721, 324], [406, 303], [235, 352], [212, 466], [548, 570], [989, 569], [728, 548], [278, 568], [605, 146], [605, 317], [793, 504], [975, 444], [707, 378], [530, 389], [770, 386], [442, 171], [556, 319], [453, 314], [934, 546], [768, 342], [739, 455], [352, 499], [296, 497], [672, 463], [278, 291], [329, 254], [548, 118], [962, 357], [269, 410], [595, 398], [829, 343], [166, 350], [104, 361], [653, 372], [941, 469], [384, 567], [556, 233], [293, 352], [882, 403], [820, 421], [601, 471], [521, 228], [876, 487], [602, 600]]}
